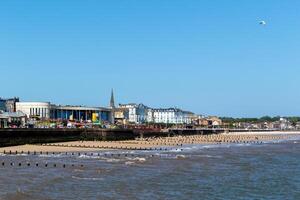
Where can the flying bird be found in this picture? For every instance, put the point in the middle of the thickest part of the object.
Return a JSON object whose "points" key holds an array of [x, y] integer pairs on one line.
{"points": [[262, 23]]}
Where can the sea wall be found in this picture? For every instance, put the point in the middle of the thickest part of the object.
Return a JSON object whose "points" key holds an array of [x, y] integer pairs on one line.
{"points": [[10, 137]]}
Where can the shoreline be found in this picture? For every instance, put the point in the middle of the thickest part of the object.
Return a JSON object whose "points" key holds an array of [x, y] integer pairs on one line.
{"points": [[161, 143], [263, 133]]}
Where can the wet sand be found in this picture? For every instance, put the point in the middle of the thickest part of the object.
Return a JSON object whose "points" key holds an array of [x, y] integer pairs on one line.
{"points": [[41, 148], [155, 143]]}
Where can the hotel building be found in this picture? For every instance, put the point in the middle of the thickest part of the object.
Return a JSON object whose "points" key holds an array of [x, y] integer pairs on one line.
{"points": [[139, 114], [169, 116]]}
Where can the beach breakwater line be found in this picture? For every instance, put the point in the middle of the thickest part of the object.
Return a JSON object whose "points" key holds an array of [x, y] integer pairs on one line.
{"points": [[83, 154], [46, 165], [155, 145], [249, 138], [62, 160]]}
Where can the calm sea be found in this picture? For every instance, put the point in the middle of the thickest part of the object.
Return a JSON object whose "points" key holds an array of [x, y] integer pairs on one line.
{"points": [[259, 171]]}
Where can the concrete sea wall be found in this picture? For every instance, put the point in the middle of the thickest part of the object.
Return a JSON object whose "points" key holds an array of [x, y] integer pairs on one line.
{"points": [[10, 137]]}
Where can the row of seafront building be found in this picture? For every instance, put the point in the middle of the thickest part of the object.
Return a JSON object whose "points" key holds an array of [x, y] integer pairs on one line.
{"points": [[16, 112], [127, 113], [140, 114], [280, 124]]}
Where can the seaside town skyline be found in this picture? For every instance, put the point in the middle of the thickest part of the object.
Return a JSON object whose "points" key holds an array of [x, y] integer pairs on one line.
{"points": [[17, 113]]}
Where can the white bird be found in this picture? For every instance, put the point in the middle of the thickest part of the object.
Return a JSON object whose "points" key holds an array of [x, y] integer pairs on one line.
{"points": [[262, 23]]}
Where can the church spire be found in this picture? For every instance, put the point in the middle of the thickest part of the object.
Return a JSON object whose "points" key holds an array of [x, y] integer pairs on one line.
{"points": [[112, 99]]}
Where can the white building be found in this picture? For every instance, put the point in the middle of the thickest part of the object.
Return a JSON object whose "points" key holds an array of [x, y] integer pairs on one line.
{"points": [[41, 109], [285, 124], [169, 116], [139, 113]]}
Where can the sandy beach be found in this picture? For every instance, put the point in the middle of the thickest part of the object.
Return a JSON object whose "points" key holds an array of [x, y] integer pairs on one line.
{"points": [[263, 133], [154, 143]]}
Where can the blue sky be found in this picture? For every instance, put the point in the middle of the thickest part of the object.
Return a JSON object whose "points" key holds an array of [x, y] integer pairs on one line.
{"points": [[211, 57]]}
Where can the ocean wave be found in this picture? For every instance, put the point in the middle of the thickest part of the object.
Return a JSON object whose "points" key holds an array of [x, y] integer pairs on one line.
{"points": [[24, 154], [123, 152], [129, 163], [88, 178], [207, 156], [78, 170], [112, 160], [89, 157], [243, 144], [177, 150], [50, 155], [139, 159], [198, 147]]}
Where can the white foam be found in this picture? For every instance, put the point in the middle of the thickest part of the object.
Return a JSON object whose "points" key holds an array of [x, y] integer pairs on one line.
{"points": [[88, 157], [208, 156], [129, 163], [112, 160], [87, 178], [2, 154], [140, 159], [50, 155], [23, 154], [177, 150]]}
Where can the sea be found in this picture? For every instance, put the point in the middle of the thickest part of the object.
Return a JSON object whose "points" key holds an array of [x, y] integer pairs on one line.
{"points": [[223, 171]]}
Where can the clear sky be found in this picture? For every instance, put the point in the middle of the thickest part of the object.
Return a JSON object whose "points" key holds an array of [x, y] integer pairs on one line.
{"points": [[211, 57]]}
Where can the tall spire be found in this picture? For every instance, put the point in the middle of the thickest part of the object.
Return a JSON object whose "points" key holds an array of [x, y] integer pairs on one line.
{"points": [[112, 99]]}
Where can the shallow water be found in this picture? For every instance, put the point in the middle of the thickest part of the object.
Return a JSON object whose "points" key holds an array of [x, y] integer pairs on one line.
{"points": [[256, 171]]}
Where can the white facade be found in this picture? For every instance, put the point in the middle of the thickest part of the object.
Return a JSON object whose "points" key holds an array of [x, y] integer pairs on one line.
{"points": [[41, 109], [132, 114], [169, 116], [139, 113]]}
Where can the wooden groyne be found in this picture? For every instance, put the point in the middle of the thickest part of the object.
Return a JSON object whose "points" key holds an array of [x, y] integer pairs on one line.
{"points": [[208, 131]]}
